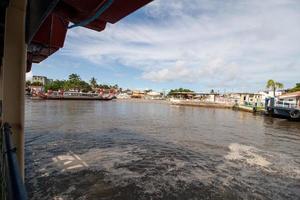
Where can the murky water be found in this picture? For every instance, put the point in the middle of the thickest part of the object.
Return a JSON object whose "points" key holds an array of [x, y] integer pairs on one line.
{"points": [[128, 150]]}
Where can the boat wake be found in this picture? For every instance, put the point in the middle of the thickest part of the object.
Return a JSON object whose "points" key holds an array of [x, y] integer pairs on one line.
{"points": [[270, 162]]}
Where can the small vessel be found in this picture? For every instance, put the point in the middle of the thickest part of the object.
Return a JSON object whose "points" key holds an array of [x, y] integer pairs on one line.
{"points": [[60, 95], [286, 106]]}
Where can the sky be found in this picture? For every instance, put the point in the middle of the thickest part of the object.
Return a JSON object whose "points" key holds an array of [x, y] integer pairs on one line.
{"points": [[232, 45]]}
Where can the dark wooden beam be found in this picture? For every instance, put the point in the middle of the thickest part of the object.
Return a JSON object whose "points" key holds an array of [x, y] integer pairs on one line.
{"points": [[37, 12]]}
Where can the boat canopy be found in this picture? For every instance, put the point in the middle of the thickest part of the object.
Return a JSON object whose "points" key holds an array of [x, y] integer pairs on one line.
{"points": [[47, 21]]}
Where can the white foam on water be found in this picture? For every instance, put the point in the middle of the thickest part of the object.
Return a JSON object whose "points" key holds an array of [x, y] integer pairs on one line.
{"points": [[108, 158], [248, 154], [69, 161], [57, 198], [116, 162], [271, 162]]}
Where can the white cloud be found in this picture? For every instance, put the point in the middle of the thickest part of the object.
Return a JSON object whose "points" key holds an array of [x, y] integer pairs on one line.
{"points": [[213, 43]]}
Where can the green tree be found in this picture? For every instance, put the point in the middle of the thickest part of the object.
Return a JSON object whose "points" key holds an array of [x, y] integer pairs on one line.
{"points": [[55, 85], [28, 83], [37, 84], [93, 82], [296, 88], [84, 86], [74, 77], [73, 83], [179, 90], [105, 86], [273, 85]]}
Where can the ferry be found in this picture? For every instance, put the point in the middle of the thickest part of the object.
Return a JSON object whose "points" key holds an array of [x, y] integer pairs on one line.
{"points": [[57, 95], [287, 106]]}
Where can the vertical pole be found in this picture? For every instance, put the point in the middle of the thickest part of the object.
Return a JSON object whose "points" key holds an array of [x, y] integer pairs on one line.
{"points": [[14, 64], [1, 90]]}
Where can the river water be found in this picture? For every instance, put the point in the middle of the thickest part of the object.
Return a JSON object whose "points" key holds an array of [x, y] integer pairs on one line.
{"points": [[141, 150]]}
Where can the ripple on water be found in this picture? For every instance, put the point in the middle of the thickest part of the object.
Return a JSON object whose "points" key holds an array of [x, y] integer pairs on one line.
{"points": [[184, 153], [156, 174]]}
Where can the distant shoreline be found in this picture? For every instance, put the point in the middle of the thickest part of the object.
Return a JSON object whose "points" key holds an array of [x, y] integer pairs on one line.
{"points": [[144, 101], [193, 104], [185, 103]]}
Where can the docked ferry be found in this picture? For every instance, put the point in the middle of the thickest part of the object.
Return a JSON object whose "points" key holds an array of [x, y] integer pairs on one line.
{"points": [[287, 106], [56, 95]]}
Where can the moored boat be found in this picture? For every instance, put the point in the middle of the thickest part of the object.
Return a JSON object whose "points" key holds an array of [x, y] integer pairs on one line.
{"points": [[76, 96], [286, 106]]}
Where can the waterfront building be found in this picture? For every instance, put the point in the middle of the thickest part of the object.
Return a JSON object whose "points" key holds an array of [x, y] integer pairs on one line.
{"points": [[127, 91], [138, 94], [182, 95], [245, 98], [270, 94], [289, 100], [41, 79], [154, 95], [123, 96], [207, 97]]}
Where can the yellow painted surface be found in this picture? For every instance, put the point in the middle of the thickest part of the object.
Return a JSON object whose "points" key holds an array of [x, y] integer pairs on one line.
{"points": [[14, 64]]}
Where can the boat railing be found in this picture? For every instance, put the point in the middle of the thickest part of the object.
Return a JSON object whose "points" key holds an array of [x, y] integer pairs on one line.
{"points": [[253, 104], [81, 94], [12, 187], [286, 105]]}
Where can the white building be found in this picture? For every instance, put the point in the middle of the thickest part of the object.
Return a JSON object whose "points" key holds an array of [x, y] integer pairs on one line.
{"points": [[270, 94], [154, 95], [289, 100], [123, 96], [206, 97], [246, 98], [41, 79]]}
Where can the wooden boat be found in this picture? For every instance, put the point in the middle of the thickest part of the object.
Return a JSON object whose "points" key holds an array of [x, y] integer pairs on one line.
{"points": [[76, 96]]}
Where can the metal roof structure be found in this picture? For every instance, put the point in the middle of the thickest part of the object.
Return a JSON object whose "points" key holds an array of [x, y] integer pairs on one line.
{"points": [[47, 21], [3, 5], [290, 95]]}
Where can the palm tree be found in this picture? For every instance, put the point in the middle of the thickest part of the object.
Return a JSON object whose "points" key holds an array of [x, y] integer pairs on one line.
{"points": [[93, 82], [273, 85]]}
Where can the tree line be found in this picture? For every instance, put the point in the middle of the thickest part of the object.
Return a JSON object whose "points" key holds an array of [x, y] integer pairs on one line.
{"points": [[74, 82], [179, 90]]}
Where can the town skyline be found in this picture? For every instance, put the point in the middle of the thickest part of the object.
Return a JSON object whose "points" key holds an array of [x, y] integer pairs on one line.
{"points": [[269, 85]]}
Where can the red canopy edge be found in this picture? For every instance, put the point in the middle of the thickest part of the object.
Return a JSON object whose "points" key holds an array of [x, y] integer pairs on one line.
{"points": [[51, 34]]}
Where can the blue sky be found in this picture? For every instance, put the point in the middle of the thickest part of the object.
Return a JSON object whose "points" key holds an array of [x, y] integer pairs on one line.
{"points": [[229, 45]]}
